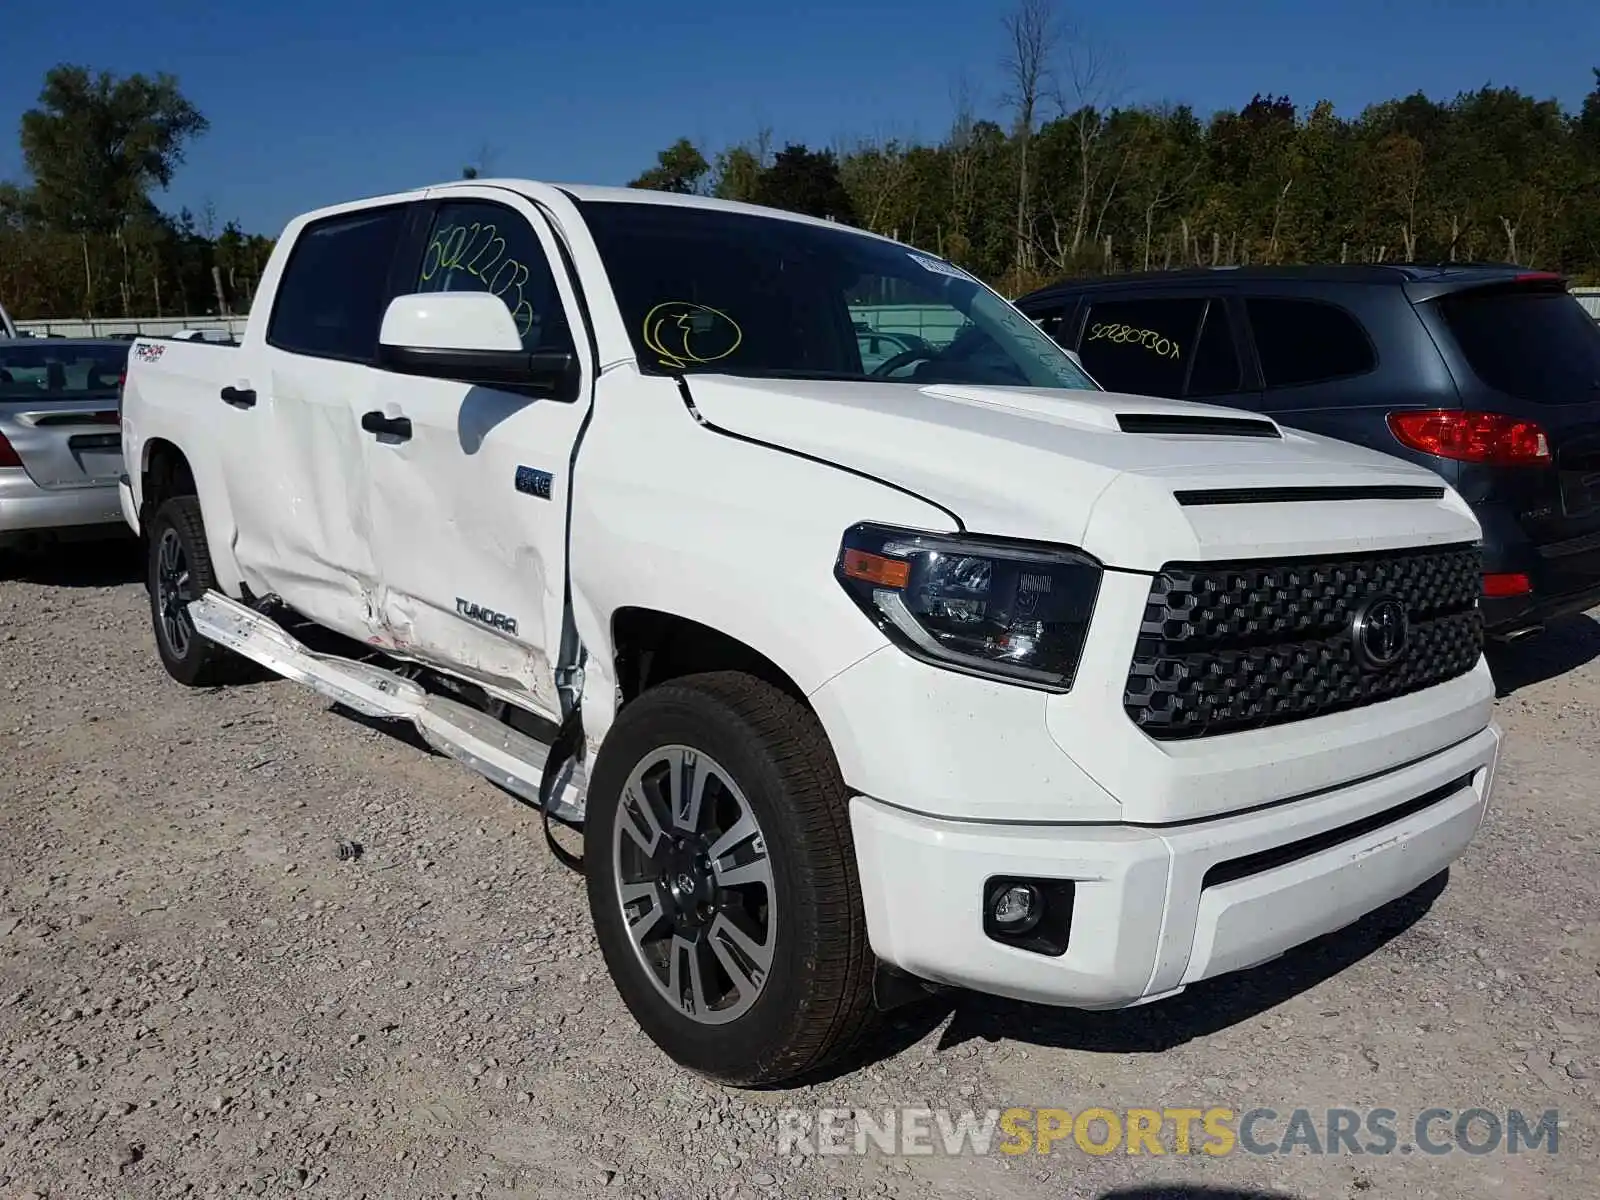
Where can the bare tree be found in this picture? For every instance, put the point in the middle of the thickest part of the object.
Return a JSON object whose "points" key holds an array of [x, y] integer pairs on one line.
{"points": [[1410, 186], [1401, 172], [963, 158], [878, 174], [1166, 192], [1510, 228], [1277, 221], [1172, 168], [1085, 97], [1033, 33]]}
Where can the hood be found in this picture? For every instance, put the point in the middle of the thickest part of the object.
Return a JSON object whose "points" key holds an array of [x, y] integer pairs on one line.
{"points": [[1135, 481]]}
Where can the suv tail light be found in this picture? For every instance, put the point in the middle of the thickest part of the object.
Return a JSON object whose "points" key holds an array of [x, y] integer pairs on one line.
{"points": [[1475, 437], [1498, 585], [8, 453]]}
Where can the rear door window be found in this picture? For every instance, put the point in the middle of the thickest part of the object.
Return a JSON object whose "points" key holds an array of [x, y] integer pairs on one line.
{"points": [[331, 299], [1307, 341], [1049, 317], [1142, 346], [1537, 345], [1214, 370]]}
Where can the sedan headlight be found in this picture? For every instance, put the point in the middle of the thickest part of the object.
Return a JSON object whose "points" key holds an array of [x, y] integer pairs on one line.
{"points": [[1017, 611]]}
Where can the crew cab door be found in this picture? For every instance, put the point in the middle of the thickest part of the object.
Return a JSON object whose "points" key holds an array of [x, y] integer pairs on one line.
{"points": [[468, 484], [286, 419]]}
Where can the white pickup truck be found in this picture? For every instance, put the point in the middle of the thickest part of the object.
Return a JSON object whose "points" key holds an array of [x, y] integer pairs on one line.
{"points": [[955, 671]]}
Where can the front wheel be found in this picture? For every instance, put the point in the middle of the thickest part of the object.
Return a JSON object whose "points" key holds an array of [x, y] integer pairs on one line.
{"points": [[722, 880]]}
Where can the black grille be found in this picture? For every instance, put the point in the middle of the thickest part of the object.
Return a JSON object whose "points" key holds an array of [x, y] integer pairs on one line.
{"points": [[1230, 647]]}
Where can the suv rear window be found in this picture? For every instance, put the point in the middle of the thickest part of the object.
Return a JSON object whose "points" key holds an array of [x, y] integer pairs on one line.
{"points": [[1536, 345]]}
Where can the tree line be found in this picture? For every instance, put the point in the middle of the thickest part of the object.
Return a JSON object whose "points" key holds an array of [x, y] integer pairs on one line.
{"points": [[83, 238], [1062, 180], [1056, 178]]}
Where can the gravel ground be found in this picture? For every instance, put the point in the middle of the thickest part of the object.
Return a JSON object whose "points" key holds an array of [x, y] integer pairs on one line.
{"points": [[199, 996]]}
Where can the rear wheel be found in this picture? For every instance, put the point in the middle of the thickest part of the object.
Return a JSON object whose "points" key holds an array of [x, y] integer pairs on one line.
{"points": [[722, 880], [179, 571]]}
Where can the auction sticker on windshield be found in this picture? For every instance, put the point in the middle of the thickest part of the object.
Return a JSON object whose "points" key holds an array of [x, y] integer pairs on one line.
{"points": [[939, 267]]}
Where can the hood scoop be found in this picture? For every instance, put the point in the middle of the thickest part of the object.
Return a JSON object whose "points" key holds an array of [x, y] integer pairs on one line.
{"points": [[1197, 424], [1191, 498]]}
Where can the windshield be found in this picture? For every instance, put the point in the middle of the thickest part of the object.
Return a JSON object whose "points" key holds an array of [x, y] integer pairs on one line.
{"points": [[47, 370], [703, 290], [1537, 345]]}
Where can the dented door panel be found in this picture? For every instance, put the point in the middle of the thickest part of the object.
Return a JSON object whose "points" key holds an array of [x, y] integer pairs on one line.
{"points": [[469, 512], [300, 493]]}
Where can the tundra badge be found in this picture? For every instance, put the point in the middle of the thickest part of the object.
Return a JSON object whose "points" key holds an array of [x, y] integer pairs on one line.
{"points": [[486, 616]]}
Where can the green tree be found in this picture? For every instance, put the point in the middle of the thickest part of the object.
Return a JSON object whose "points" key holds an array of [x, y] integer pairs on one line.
{"points": [[737, 168], [96, 146], [805, 181], [679, 168]]}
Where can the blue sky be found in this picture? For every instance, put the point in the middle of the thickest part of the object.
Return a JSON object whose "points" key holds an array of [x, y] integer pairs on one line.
{"points": [[315, 101]]}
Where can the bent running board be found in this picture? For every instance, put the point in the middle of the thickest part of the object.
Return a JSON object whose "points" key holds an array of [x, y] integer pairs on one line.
{"points": [[496, 751]]}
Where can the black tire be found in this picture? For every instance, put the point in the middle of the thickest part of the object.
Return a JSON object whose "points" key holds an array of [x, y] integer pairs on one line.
{"points": [[194, 661], [816, 999]]}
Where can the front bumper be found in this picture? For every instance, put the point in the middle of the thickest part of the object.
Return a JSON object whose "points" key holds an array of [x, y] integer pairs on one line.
{"points": [[1145, 922], [28, 509]]}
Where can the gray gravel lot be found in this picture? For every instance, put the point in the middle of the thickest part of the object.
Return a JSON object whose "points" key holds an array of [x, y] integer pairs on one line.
{"points": [[198, 996]]}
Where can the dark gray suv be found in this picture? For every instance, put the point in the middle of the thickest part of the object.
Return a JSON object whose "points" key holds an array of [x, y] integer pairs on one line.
{"points": [[1488, 374]]}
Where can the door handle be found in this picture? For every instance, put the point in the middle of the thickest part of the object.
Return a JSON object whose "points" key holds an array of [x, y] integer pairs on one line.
{"points": [[239, 397], [398, 428]]}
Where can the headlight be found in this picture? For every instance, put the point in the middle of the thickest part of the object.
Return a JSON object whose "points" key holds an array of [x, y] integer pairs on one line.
{"points": [[1017, 611]]}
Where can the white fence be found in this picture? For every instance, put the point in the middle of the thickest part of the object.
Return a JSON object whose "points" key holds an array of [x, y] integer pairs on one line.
{"points": [[1590, 299], [112, 326]]}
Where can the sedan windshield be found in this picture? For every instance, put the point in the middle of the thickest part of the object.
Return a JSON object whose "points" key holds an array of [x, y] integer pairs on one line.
{"points": [[41, 369], [706, 290]]}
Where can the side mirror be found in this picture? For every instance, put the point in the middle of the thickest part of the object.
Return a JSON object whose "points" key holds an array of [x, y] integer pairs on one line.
{"points": [[469, 337]]}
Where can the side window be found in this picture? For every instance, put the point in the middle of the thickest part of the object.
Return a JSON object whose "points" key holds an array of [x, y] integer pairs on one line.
{"points": [[331, 298], [1215, 369], [475, 246], [1141, 346], [1307, 341], [1048, 318]]}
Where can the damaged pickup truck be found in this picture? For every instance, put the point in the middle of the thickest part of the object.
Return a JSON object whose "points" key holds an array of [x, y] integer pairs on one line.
{"points": [[949, 670]]}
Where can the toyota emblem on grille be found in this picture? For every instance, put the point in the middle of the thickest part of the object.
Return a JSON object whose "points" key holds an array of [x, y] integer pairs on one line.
{"points": [[1380, 632]]}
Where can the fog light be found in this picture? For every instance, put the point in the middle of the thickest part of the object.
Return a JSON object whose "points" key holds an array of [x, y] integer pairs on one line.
{"points": [[1016, 909], [1029, 914]]}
